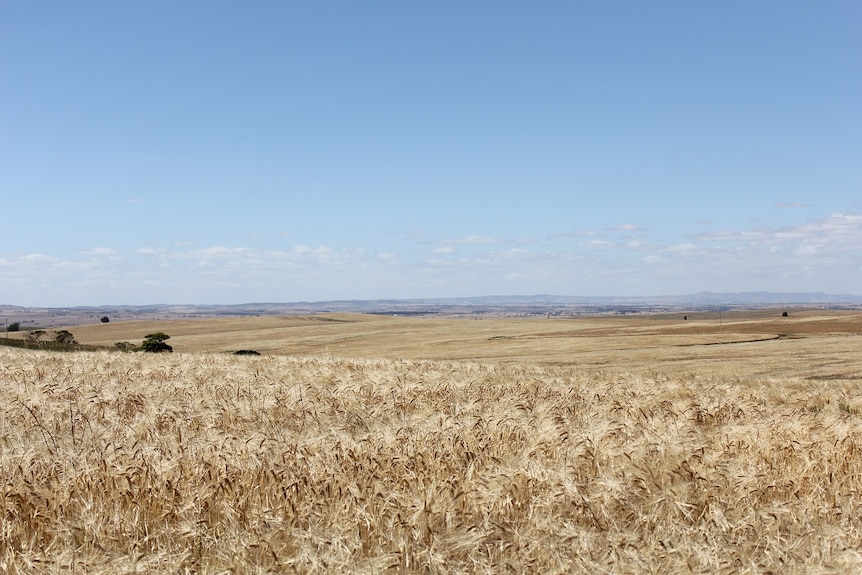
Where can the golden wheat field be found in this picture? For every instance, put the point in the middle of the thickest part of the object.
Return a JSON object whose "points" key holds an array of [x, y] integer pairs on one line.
{"points": [[387, 445]]}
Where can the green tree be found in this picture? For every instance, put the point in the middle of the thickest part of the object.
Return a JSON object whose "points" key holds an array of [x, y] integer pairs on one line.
{"points": [[155, 343], [14, 326]]}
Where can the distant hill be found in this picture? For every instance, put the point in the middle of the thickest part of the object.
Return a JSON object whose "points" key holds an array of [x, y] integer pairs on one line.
{"points": [[702, 298], [498, 305]]}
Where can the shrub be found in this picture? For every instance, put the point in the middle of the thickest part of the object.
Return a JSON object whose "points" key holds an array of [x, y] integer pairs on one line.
{"points": [[105, 319], [64, 336], [155, 343], [34, 335], [14, 326]]}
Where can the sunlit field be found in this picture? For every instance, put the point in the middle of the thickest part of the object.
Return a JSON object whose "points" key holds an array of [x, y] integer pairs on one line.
{"points": [[367, 445], [818, 345]]}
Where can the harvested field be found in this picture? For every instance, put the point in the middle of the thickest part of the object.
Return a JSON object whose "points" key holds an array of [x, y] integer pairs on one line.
{"points": [[808, 344]]}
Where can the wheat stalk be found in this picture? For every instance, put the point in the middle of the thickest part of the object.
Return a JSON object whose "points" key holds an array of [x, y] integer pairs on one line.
{"points": [[212, 464]]}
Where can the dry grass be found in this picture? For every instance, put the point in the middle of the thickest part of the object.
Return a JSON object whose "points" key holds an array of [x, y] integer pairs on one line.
{"points": [[196, 463], [818, 344]]}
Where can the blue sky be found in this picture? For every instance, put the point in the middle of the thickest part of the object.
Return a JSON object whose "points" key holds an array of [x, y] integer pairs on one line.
{"points": [[232, 152]]}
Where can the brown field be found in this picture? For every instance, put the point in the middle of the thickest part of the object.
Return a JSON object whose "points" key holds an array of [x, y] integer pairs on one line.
{"points": [[370, 444], [814, 344]]}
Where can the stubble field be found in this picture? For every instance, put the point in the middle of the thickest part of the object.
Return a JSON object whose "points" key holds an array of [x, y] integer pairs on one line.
{"points": [[387, 445]]}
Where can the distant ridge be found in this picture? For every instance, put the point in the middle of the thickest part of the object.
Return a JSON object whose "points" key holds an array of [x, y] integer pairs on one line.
{"points": [[500, 305], [703, 298]]}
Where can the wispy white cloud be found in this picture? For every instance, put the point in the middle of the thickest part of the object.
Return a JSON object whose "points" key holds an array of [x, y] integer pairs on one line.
{"points": [[636, 245], [627, 228], [100, 252], [215, 252], [41, 266], [681, 248], [76, 265], [472, 240], [837, 232], [306, 250], [39, 259], [597, 244], [817, 255], [655, 259], [574, 234]]}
